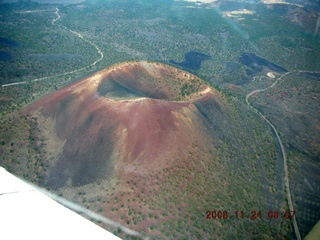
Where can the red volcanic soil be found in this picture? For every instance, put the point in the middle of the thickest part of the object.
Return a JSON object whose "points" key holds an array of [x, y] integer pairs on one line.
{"points": [[134, 116]]}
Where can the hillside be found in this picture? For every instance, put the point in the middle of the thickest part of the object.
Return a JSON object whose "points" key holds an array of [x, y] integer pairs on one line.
{"points": [[154, 148], [120, 116]]}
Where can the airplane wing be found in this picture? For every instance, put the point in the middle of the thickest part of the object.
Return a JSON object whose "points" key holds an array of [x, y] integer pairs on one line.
{"points": [[26, 213]]}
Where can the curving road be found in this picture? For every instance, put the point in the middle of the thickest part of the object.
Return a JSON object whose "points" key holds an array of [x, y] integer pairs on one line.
{"points": [[284, 156], [286, 178], [53, 22]]}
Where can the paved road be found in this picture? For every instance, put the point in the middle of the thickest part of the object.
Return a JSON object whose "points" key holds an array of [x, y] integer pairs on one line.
{"points": [[286, 178], [284, 156]]}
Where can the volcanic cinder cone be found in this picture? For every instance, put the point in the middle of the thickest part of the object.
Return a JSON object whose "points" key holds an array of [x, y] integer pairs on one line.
{"points": [[132, 117]]}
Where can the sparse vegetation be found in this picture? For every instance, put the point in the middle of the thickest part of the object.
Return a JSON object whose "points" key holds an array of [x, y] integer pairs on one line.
{"points": [[237, 168]]}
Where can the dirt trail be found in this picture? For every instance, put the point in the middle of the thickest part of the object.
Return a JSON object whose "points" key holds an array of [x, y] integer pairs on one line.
{"points": [[53, 22]]}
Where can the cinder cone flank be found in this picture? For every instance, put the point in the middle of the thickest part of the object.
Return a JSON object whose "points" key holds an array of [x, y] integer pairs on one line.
{"points": [[136, 113]]}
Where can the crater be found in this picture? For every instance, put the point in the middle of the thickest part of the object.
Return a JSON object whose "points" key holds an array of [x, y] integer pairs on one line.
{"points": [[136, 80], [112, 90]]}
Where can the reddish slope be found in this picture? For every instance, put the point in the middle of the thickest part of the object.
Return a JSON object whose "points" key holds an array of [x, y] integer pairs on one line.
{"points": [[107, 135]]}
